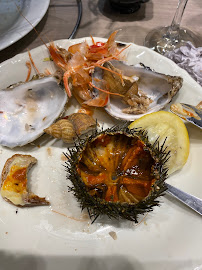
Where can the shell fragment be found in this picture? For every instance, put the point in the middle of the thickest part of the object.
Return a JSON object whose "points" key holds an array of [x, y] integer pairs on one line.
{"points": [[28, 108]]}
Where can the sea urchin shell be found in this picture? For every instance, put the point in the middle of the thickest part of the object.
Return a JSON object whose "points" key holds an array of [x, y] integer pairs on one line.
{"points": [[117, 173]]}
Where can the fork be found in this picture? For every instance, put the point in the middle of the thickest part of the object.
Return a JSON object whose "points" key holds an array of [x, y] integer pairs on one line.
{"points": [[186, 198], [192, 114]]}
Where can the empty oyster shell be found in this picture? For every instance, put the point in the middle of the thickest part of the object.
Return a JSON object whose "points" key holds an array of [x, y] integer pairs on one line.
{"points": [[155, 90], [28, 108]]}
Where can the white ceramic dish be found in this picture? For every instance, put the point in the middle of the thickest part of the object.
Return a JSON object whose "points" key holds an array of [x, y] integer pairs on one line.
{"points": [[168, 238], [12, 25]]}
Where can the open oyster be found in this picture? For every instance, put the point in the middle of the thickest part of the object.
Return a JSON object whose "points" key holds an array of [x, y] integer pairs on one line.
{"points": [[26, 109], [143, 90]]}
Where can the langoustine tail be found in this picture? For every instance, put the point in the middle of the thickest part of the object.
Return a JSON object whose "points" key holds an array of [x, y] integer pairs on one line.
{"points": [[66, 83]]}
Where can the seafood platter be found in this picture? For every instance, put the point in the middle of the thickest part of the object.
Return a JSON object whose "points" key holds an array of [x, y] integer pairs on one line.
{"points": [[73, 110]]}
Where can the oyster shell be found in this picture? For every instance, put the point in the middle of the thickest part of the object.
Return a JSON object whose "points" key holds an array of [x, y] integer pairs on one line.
{"points": [[29, 108], [144, 91]]}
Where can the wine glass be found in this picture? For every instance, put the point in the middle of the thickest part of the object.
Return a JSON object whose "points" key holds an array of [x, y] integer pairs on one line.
{"points": [[168, 38]]}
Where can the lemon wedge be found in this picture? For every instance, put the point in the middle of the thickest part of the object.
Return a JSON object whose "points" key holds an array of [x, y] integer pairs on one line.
{"points": [[165, 125]]}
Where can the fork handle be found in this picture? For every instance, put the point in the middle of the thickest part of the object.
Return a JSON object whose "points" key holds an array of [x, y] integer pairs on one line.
{"points": [[190, 200]]}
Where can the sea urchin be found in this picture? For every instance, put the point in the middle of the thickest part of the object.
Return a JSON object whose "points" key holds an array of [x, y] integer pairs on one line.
{"points": [[117, 172]]}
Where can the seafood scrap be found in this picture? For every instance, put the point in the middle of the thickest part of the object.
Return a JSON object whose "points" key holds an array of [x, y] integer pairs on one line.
{"points": [[71, 126], [14, 182], [28, 108], [137, 101], [192, 114], [78, 64], [121, 89], [143, 90]]}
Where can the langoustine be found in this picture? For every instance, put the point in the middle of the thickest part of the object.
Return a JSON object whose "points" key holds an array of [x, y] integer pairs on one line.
{"points": [[78, 63]]}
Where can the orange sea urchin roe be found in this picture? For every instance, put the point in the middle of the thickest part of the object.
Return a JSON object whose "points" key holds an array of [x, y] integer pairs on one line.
{"points": [[117, 168], [16, 180]]}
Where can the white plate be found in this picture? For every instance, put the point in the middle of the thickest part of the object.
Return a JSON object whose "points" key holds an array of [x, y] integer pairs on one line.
{"points": [[168, 238], [12, 25]]}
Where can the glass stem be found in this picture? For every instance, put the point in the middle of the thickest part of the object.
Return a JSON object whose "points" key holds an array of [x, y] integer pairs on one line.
{"points": [[175, 25], [174, 29]]}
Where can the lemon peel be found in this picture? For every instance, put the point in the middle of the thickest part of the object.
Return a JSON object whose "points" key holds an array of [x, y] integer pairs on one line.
{"points": [[166, 125]]}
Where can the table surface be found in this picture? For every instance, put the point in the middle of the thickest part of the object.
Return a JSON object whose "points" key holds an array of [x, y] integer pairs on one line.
{"points": [[99, 19]]}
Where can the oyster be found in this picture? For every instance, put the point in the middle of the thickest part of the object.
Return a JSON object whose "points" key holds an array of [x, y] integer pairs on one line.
{"points": [[26, 109], [118, 173], [144, 91]]}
